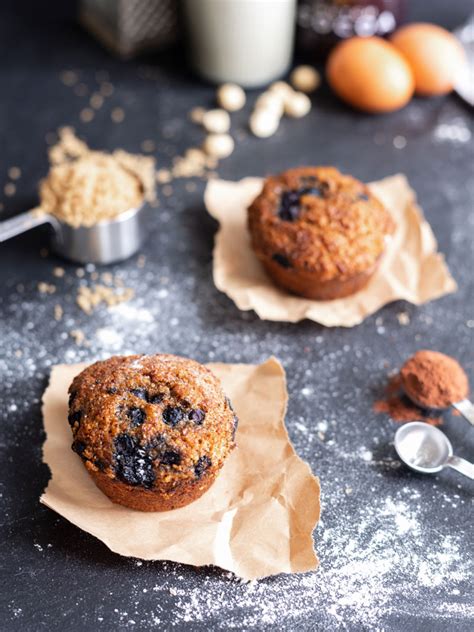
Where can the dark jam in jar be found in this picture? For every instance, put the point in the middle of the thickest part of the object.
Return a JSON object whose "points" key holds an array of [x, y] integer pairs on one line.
{"points": [[323, 23]]}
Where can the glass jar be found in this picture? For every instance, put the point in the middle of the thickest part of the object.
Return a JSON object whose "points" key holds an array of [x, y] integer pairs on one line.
{"points": [[249, 42]]}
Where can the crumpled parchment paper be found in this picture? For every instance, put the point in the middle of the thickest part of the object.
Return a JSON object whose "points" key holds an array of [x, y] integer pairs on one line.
{"points": [[411, 269], [256, 520]]}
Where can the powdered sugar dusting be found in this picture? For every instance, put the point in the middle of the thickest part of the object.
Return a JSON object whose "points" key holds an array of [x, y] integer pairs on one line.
{"points": [[365, 571], [371, 568]]}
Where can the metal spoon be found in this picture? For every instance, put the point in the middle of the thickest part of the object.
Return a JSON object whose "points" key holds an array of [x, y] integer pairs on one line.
{"points": [[426, 449], [105, 242]]}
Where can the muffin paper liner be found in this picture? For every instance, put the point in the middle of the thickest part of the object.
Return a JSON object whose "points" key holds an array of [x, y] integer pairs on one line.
{"points": [[411, 268], [256, 520]]}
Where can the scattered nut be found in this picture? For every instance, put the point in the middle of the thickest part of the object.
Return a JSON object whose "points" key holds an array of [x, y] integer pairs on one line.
{"points": [[281, 88], [305, 79], [297, 105], [271, 101], [263, 123], [195, 155], [216, 121], [231, 97], [218, 145]]}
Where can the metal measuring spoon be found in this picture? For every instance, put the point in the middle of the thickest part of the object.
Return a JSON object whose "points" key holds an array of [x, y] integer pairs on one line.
{"points": [[426, 449], [465, 406], [108, 241]]}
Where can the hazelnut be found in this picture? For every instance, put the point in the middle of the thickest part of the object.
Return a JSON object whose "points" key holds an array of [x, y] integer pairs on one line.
{"points": [[305, 79], [218, 145], [231, 97], [297, 105], [216, 121], [263, 123], [195, 155], [281, 88], [270, 101]]}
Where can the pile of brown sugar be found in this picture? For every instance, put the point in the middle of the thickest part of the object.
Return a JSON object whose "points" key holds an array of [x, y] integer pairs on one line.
{"points": [[84, 187], [432, 379]]}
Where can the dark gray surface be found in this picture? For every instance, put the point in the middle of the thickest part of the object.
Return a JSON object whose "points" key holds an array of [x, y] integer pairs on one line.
{"points": [[395, 547]]}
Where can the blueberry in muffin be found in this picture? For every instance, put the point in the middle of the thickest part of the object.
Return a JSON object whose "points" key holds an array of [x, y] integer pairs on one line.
{"points": [[318, 233], [152, 431]]}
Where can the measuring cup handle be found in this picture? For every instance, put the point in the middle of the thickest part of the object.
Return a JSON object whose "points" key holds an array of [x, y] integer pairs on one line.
{"points": [[466, 408], [23, 222], [462, 466]]}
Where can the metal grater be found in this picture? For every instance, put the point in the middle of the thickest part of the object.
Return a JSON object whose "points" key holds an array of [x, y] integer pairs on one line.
{"points": [[129, 27]]}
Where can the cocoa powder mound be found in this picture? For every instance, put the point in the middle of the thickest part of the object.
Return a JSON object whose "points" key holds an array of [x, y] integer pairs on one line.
{"points": [[434, 380], [400, 408]]}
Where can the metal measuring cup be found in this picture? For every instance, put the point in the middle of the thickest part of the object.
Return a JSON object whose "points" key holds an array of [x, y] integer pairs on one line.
{"points": [[426, 449], [107, 241]]}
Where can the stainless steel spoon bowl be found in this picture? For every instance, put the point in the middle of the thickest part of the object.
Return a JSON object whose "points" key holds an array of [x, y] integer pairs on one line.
{"points": [[426, 449], [105, 242]]}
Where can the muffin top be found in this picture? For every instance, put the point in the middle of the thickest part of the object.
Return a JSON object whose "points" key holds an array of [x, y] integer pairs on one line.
{"points": [[155, 421], [319, 220]]}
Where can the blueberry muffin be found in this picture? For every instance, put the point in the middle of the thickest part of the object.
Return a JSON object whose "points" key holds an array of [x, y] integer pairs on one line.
{"points": [[318, 233], [152, 431]]}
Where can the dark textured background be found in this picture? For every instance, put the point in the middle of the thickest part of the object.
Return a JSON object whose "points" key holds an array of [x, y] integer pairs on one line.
{"points": [[56, 577]]}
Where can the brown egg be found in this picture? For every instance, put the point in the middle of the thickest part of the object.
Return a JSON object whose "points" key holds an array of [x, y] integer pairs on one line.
{"points": [[434, 55], [370, 74]]}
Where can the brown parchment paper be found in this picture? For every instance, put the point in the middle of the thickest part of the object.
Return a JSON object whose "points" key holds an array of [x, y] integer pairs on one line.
{"points": [[411, 269], [256, 520]]}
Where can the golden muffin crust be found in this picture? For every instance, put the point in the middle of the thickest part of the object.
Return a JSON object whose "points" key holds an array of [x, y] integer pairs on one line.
{"points": [[319, 223], [153, 431]]}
